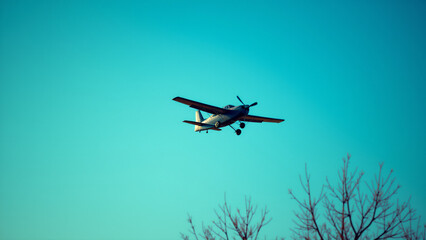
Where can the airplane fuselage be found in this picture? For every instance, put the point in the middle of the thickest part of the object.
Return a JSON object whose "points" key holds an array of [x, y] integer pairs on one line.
{"points": [[234, 114]]}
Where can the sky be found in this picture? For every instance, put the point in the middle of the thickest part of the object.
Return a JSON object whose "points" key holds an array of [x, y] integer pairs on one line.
{"points": [[93, 147]]}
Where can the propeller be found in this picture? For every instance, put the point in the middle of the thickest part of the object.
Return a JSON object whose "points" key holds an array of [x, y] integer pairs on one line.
{"points": [[240, 100], [247, 106]]}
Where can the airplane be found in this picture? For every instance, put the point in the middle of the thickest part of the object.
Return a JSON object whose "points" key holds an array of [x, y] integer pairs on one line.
{"points": [[222, 117]]}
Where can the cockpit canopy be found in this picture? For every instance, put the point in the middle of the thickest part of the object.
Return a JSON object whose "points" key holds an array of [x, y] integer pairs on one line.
{"points": [[229, 106]]}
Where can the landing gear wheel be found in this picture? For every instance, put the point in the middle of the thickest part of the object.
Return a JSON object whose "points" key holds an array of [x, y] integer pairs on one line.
{"points": [[242, 125], [238, 131], [217, 124]]}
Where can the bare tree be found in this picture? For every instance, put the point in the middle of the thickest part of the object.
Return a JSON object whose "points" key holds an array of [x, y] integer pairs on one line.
{"points": [[349, 213], [231, 224]]}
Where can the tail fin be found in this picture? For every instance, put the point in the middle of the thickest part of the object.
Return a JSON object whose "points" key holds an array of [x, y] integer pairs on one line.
{"points": [[198, 118]]}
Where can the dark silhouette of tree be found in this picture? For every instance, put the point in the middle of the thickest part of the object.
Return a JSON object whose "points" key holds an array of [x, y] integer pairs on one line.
{"points": [[349, 212], [231, 224]]}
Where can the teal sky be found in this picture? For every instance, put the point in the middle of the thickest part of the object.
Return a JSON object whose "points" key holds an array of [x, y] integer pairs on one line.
{"points": [[93, 147]]}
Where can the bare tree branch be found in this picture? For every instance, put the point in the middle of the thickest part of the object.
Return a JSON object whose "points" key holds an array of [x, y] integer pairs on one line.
{"points": [[352, 214], [241, 223]]}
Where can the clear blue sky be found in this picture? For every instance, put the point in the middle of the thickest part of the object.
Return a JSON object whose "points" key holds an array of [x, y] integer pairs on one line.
{"points": [[93, 147]]}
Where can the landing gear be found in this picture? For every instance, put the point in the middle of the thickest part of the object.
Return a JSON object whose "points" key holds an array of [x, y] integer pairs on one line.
{"points": [[242, 125], [238, 131], [217, 124]]}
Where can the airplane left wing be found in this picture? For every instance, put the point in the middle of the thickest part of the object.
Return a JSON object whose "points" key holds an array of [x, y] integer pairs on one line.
{"points": [[251, 118], [201, 106]]}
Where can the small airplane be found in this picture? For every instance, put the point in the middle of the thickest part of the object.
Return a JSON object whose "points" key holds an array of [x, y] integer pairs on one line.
{"points": [[222, 117]]}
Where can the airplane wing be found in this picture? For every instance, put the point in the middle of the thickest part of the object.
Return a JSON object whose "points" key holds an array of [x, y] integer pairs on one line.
{"points": [[251, 118], [201, 106]]}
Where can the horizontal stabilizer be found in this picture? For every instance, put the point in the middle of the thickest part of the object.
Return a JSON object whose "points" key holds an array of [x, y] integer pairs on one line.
{"points": [[198, 123], [210, 126]]}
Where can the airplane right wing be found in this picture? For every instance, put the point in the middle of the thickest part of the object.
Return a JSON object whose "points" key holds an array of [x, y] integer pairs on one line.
{"points": [[251, 118], [201, 106]]}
